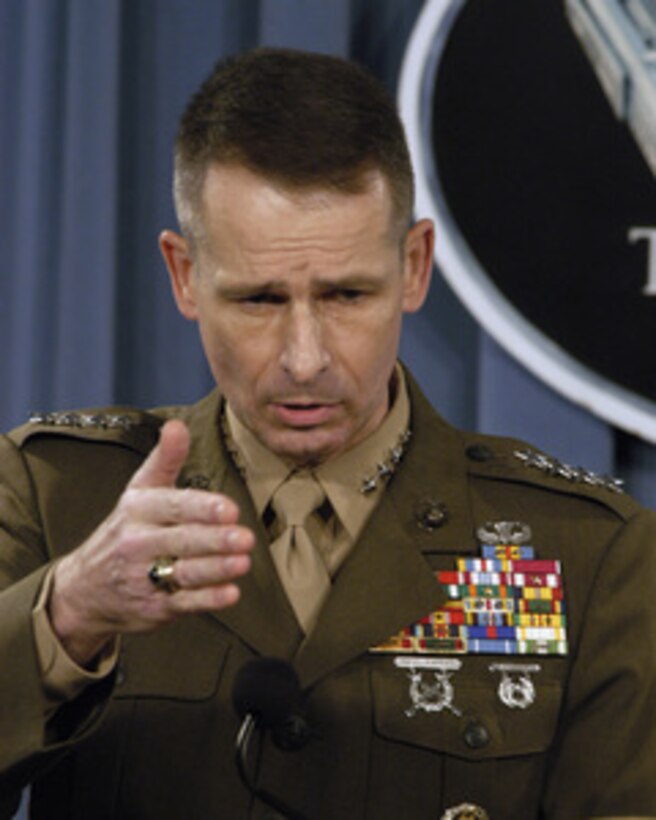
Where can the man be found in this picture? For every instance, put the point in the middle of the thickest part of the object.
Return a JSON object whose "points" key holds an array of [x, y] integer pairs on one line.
{"points": [[470, 620]]}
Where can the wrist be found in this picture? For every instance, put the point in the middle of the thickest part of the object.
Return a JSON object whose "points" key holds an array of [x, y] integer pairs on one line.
{"points": [[72, 624]]}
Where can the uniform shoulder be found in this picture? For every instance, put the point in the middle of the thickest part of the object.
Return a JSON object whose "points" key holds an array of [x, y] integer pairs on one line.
{"points": [[124, 426], [506, 459]]}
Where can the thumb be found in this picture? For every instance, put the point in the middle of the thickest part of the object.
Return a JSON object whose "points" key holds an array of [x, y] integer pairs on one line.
{"points": [[162, 466]]}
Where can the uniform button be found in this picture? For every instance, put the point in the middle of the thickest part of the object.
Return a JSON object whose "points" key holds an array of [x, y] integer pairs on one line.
{"points": [[430, 513], [476, 735], [197, 482], [465, 811], [291, 735], [120, 675], [479, 452]]}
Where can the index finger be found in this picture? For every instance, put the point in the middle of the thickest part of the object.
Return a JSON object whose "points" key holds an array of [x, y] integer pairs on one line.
{"points": [[167, 506]]}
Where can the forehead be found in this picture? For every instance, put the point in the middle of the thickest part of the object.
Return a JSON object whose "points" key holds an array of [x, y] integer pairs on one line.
{"points": [[243, 208]]}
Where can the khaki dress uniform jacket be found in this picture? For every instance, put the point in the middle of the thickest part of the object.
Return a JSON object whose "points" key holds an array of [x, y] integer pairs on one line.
{"points": [[156, 738]]}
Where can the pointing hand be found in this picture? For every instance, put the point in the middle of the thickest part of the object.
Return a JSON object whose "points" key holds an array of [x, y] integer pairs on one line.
{"points": [[103, 587]]}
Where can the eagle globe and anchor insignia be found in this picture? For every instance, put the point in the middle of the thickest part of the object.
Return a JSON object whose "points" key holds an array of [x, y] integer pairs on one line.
{"points": [[542, 183]]}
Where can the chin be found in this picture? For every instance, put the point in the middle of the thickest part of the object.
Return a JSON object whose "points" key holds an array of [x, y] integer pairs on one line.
{"points": [[307, 448]]}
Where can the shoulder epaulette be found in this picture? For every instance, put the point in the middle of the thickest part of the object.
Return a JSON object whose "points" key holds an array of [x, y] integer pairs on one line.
{"points": [[514, 460], [128, 426], [579, 475]]}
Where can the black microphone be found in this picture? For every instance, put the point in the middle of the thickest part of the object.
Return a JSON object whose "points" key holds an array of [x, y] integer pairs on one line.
{"points": [[267, 695]]}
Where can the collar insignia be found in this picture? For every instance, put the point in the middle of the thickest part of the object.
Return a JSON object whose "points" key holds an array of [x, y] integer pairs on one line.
{"points": [[386, 469]]}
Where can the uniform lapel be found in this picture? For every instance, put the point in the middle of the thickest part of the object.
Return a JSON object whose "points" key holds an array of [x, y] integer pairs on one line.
{"points": [[261, 593], [387, 582]]}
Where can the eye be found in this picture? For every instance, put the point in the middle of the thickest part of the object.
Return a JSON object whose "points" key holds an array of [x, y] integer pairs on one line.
{"points": [[345, 295], [350, 294], [262, 298]]}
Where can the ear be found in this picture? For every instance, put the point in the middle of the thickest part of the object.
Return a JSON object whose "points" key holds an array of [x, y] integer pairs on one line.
{"points": [[177, 256], [417, 264]]}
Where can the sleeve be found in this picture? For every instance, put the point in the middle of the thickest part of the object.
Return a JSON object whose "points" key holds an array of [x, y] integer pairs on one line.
{"points": [[62, 678], [604, 760], [28, 725]]}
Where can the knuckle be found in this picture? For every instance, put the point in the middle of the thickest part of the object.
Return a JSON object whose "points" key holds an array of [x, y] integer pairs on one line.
{"points": [[129, 542], [114, 525], [157, 609], [182, 574], [180, 542], [174, 507], [230, 538], [129, 502], [228, 511], [229, 566], [236, 538], [186, 604]]}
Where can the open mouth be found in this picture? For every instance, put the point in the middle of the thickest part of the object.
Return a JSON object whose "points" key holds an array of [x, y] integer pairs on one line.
{"points": [[304, 414]]}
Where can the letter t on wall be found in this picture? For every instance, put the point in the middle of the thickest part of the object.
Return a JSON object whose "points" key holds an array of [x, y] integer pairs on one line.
{"points": [[635, 235]]}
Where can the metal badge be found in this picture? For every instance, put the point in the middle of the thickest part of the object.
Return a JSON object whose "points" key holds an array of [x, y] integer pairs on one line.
{"points": [[578, 475], [516, 688], [465, 811], [430, 513], [386, 469], [99, 421], [504, 532], [434, 695]]}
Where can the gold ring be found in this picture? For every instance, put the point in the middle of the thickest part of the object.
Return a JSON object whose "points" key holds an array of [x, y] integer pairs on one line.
{"points": [[161, 573]]}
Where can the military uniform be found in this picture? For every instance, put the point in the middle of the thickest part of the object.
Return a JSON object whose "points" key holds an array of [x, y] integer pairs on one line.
{"points": [[415, 730]]}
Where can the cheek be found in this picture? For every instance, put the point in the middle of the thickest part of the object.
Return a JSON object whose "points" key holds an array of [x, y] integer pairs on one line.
{"points": [[369, 353], [235, 356]]}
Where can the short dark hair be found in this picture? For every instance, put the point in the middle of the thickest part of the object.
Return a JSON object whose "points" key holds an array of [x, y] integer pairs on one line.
{"points": [[299, 118]]}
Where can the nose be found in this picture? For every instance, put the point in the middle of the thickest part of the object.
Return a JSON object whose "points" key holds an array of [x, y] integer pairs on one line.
{"points": [[304, 355]]}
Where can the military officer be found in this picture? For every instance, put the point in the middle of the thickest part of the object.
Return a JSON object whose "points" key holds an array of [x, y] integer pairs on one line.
{"points": [[471, 621]]}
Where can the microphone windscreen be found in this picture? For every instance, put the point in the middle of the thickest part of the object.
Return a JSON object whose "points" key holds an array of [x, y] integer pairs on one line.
{"points": [[267, 688]]}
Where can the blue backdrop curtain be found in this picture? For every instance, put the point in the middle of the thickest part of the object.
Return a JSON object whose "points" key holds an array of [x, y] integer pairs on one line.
{"points": [[90, 92]]}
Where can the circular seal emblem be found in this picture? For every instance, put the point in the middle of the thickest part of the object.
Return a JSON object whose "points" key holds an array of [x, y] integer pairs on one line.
{"points": [[533, 132]]}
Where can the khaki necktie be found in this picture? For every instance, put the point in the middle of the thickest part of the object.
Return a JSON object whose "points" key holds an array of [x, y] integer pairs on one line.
{"points": [[302, 571]]}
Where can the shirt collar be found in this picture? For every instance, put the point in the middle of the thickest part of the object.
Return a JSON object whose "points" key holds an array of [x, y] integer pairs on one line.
{"points": [[341, 478]]}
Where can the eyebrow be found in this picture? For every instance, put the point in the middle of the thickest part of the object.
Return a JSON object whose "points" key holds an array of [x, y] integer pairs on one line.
{"points": [[349, 281]]}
